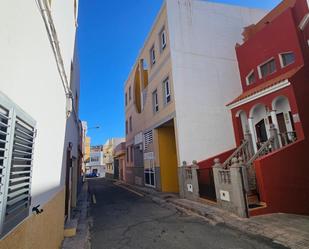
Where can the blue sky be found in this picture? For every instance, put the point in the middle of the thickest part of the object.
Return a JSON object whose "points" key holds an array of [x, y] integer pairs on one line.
{"points": [[110, 35]]}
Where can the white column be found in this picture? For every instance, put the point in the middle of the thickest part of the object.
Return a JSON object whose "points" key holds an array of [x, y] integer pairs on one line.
{"points": [[274, 119], [252, 131]]}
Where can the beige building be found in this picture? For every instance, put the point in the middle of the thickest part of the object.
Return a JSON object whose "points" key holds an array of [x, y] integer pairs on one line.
{"points": [[108, 155], [175, 103]]}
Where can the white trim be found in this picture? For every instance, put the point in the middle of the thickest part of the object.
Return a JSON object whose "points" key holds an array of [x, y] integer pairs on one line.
{"points": [[260, 94], [281, 58], [303, 23], [264, 63], [247, 77]]}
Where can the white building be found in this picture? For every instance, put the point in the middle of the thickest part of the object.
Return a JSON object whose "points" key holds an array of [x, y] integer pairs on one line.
{"points": [[39, 90], [96, 164]]}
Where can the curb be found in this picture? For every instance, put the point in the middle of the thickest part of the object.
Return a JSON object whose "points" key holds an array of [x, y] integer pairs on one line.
{"points": [[82, 238]]}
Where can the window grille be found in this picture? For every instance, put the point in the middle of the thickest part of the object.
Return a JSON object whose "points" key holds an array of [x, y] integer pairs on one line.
{"points": [[148, 139]]}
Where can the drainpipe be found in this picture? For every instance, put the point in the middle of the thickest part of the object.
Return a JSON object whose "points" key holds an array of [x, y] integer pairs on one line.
{"points": [[53, 39]]}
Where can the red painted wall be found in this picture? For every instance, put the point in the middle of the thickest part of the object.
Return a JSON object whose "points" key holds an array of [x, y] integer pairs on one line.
{"points": [[267, 43], [210, 161], [283, 180]]}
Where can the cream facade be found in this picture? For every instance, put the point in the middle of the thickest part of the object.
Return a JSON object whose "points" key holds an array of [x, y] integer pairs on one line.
{"points": [[41, 93], [108, 158], [190, 46]]}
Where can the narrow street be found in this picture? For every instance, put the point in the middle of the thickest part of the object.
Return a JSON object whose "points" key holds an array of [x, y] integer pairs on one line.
{"points": [[122, 219]]}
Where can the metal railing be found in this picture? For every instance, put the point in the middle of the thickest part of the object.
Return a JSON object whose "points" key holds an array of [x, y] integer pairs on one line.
{"points": [[288, 137]]}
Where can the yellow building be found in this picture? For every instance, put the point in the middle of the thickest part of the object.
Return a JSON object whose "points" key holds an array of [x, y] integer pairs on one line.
{"points": [[87, 149], [150, 114]]}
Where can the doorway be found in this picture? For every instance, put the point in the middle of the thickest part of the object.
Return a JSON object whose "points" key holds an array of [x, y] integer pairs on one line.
{"points": [[168, 157], [261, 132]]}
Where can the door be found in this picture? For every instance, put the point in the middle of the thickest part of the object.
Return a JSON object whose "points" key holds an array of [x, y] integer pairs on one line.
{"points": [[261, 132], [281, 123]]}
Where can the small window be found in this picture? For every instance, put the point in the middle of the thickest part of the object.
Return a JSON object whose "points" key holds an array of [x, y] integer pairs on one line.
{"points": [[131, 152], [167, 91], [128, 154], [287, 59], [163, 39], [267, 68], [126, 99], [130, 123], [155, 101], [127, 127], [130, 93], [250, 79], [153, 55]]}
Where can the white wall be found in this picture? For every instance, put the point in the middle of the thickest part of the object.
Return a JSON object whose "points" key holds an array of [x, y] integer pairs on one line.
{"points": [[29, 77], [203, 36]]}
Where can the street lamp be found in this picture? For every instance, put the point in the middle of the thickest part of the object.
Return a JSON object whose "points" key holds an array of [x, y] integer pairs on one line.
{"points": [[94, 127]]}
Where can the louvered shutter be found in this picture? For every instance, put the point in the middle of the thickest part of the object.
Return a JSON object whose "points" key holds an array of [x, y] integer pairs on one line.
{"points": [[148, 140], [17, 141]]}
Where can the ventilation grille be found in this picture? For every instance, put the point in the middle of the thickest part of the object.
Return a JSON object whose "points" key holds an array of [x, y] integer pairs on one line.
{"points": [[148, 140]]}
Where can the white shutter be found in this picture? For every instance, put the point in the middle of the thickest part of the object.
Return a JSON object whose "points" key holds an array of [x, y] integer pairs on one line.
{"points": [[17, 141], [4, 148]]}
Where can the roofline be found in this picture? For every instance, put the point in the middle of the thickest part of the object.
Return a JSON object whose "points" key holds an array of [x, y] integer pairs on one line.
{"points": [[254, 96], [146, 40]]}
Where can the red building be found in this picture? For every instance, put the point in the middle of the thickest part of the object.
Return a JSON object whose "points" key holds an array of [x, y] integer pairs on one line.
{"points": [[274, 68]]}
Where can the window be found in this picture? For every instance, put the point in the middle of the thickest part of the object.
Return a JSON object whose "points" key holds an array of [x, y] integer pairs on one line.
{"points": [[148, 139], [126, 99], [167, 91], [127, 127], [131, 152], [287, 59], [267, 68], [163, 39], [17, 133], [130, 93], [153, 55], [155, 101], [250, 79], [130, 123], [128, 154]]}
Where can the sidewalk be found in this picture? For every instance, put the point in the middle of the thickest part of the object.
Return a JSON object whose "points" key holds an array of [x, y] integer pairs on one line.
{"points": [[82, 238], [286, 229]]}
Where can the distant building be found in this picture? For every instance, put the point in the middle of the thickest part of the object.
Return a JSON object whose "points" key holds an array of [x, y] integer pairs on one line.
{"points": [[119, 161], [95, 164], [40, 157], [177, 90], [108, 151]]}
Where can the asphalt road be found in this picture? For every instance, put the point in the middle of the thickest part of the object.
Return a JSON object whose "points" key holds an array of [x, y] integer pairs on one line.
{"points": [[122, 219]]}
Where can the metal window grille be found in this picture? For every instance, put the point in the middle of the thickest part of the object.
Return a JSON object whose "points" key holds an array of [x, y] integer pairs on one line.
{"points": [[17, 133], [148, 139]]}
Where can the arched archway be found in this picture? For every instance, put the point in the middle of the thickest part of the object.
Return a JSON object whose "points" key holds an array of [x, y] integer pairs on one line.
{"points": [[284, 119], [259, 123], [242, 122]]}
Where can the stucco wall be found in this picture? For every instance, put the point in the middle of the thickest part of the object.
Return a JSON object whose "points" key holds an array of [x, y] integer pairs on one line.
{"points": [[205, 74], [40, 231], [29, 76]]}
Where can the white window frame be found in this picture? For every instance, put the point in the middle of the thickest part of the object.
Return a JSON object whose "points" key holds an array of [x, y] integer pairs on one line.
{"points": [[281, 59], [163, 39], [262, 64], [19, 123], [167, 94], [155, 101], [152, 55], [248, 76]]}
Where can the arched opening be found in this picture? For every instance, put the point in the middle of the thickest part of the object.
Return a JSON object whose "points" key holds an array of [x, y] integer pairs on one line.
{"points": [[242, 122], [260, 123], [285, 123]]}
